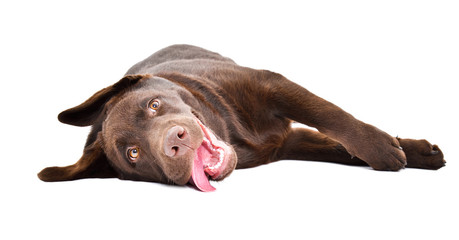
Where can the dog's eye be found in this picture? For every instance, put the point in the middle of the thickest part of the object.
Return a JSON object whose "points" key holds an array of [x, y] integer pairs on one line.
{"points": [[133, 154], [154, 105]]}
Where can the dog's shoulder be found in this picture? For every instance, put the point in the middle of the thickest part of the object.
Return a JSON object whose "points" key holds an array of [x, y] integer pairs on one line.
{"points": [[175, 53]]}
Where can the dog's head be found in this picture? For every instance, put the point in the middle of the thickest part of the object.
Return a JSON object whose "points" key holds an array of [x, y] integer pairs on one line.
{"points": [[148, 129]]}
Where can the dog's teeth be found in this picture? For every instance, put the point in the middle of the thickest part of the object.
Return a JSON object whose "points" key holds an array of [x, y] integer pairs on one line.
{"points": [[217, 154], [220, 158], [207, 142], [220, 155], [218, 164]]}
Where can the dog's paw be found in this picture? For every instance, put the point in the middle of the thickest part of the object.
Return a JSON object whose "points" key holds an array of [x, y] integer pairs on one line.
{"points": [[377, 148], [422, 154]]}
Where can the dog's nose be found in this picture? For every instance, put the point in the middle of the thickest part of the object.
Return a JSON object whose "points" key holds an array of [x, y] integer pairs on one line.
{"points": [[177, 142]]}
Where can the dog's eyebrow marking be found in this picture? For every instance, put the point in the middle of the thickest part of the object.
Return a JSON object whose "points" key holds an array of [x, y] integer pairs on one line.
{"points": [[143, 104], [122, 151], [141, 112]]}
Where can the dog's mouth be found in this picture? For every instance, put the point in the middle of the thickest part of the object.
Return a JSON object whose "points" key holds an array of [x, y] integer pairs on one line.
{"points": [[210, 161]]}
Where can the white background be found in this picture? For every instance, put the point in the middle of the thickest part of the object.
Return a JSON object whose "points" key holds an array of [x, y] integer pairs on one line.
{"points": [[394, 64]]}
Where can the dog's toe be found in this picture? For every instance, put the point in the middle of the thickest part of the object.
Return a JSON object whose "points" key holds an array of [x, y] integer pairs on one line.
{"points": [[422, 154]]}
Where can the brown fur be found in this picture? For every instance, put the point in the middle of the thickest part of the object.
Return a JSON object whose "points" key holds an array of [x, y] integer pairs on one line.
{"points": [[251, 110]]}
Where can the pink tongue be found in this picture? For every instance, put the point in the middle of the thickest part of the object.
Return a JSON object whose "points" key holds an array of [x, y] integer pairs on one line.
{"points": [[198, 176]]}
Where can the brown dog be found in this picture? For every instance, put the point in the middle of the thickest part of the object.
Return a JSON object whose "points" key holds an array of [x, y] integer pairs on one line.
{"points": [[187, 115]]}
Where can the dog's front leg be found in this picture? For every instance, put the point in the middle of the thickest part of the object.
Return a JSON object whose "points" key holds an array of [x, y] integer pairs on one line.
{"points": [[377, 148]]}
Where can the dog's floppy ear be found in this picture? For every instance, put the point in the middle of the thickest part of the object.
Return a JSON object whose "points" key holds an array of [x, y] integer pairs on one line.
{"points": [[93, 164], [86, 113]]}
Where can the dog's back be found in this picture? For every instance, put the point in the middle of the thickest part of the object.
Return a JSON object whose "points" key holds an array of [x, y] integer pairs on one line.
{"points": [[175, 53]]}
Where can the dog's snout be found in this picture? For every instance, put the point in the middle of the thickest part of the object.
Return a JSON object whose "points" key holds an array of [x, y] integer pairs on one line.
{"points": [[177, 142]]}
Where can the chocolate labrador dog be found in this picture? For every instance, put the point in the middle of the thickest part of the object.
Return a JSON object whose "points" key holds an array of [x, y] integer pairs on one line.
{"points": [[188, 115]]}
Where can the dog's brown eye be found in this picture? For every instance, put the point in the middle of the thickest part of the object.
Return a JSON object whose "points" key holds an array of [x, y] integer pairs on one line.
{"points": [[133, 154], [154, 105]]}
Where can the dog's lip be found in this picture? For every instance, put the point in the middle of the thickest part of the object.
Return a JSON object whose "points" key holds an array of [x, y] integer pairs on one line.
{"points": [[219, 149], [211, 160]]}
